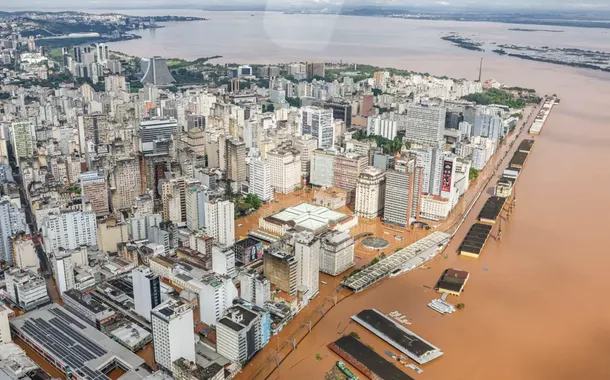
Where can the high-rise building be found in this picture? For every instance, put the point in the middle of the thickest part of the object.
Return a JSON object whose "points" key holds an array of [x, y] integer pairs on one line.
{"points": [[96, 128], [341, 111], [196, 197], [430, 159], [220, 221], [63, 270], [488, 125], [403, 191], [307, 254], [242, 332], [156, 72], [216, 295], [306, 145], [26, 289], [102, 53], [236, 160], [281, 269], [347, 168], [260, 179], [127, 183], [425, 125], [248, 250], [255, 287], [315, 69], [285, 163], [156, 136], [24, 253], [12, 221], [69, 230], [380, 126], [5, 328], [336, 252], [370, 193], [323, 168], [22, 140], [172, 325], [172, 194], [223, 261], [95, 191], [318, 122], [146, 291]]}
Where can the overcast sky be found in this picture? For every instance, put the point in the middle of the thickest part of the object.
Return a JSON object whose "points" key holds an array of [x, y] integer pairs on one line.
{"points": [[274, 4]]}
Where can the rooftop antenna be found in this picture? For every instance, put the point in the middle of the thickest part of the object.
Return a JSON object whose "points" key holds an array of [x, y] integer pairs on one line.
{"points": [[480, 69]]}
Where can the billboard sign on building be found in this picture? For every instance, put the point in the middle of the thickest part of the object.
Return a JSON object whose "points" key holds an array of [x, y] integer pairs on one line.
{"points": [[253, 253], [447, 176]]}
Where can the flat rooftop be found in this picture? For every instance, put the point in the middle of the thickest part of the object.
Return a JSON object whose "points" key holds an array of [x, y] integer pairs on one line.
{"points": [[526, 146], [307, 216], [475, 239], [73, 343], [518, 159], [399, 337], [492, 209]]}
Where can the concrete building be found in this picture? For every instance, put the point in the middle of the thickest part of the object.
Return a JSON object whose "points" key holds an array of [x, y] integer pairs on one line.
{"points": [[255, 288], [315, 69], [285, 163], [260, 179], [235, 151], [323, 168], [12, 221], [346, 170], [63, 270], [21, 139], [307, 253], [403, 191], [216, 295], [281, 269], [196, 196], [336, 252], [434, 207], [223, 260], [306, 145], [156, 73], [488, 125], [156, 136], [172, 194], [370, 193], [318, 122], [380, 126], [26, 289], [425, 125], [186, 370], [95, 191], [220, 221], [5, 328], [69, 230], [242, 332], [248, 250], [430, 159], [24, 253], [172, 325], [146, 291], [127, 183]]}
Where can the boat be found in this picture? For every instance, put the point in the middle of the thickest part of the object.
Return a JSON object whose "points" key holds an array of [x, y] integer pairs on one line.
{"points": [[350, 375]]}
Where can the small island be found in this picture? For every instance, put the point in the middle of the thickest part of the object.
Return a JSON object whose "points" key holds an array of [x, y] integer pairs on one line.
{"points": [[535, 30], [587, 59], [464, 43]]}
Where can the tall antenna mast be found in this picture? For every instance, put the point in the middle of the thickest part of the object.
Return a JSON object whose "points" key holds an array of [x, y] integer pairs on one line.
{"points": [[480, 69]]}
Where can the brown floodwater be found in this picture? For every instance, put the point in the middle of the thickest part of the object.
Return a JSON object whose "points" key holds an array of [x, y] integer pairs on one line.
{"points": [[538, 312]]}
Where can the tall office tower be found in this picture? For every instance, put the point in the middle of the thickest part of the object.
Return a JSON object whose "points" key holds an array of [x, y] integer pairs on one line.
{"points": [[156, 72], [127, 183], [403, 191], [367, 105], [255, 287], [69, 230], [78, 54], [370, 193], [307, 253], [318, 122], [196, 197], [96, 128], [95, 191], [336, 252], [488, 125], [260, 179], [172, 325], [138, 225], [223, 261], [5, 328], [323, 168], [172, 201], [12, 221], [156, 136], [315, 69], [102, 53], [242, 332], [236, 160], [281, 269], [63, 270], [285, 162], [382, 126], [425, 125], [21, 138], [341, 111], [346, 170], [430, 159], [306, 145], [216, 295], [448, 188], [220, 221], [146, 291]]}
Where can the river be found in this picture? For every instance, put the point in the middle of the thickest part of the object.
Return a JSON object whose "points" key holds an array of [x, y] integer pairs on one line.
{"points": [[539, 311]]}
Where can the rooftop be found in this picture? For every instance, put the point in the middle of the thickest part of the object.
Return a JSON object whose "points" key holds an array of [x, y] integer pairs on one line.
{"points": [[307, 217]]}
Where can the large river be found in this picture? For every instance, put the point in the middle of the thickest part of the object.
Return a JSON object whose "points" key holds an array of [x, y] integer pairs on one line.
{"points": [[539, 311]]}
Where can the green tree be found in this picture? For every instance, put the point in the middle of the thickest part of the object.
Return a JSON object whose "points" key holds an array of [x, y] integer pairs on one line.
{"points": [[474, 174], [460, 306], [253, 200]]}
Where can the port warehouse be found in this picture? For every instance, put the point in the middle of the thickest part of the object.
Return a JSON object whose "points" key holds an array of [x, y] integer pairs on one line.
{"points": [[475, 240], [452, 281], [543, 114], [405, 259], [73, 346], [492, 208], [366, 360], [399, 337]]}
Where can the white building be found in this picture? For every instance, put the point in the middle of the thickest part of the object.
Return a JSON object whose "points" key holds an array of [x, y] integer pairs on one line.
{"points": [[255, 287], [215, 297], [318, 122], [323, 168], [146, 291], [425, 125], [220, 221], [306, 145], [285, 163], [196, 197], [241, 333], [223, 260], [260, 179], [336, 253], [12, 221], [69, 230], [24, 253], [26, 289], [5, 328], [172, 325], [434, 207], [370, 193], [307, 253], [63, 269], [380, 126]]}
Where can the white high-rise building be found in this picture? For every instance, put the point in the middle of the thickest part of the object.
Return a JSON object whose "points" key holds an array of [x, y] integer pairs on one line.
{"points": [[137, 226], [323, 168], [216, 296], [380, 126], [146, 291], [430, 159], [63, 269], [173, 333], [285, 163], [425, 125], [12, 221], [5, 328], [318, 122], [255, 287], [336, 252], [241, 333], [102, 53], [69, 230], [196, 197], [220, 221], [26, 289], [21, 138], [223, 260], [370, 193], [307, 253], [260, 179], [306, 145]]}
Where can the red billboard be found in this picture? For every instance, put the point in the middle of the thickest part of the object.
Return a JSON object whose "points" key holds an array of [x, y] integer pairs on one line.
{"points": [[447, 176]]}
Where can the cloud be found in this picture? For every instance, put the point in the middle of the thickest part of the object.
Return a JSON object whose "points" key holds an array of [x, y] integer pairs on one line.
{"points": [[444, 3]]}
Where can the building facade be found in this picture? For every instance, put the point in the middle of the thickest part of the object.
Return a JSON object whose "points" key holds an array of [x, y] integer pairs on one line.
{"points": [[172, 325], [370, 193]]}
